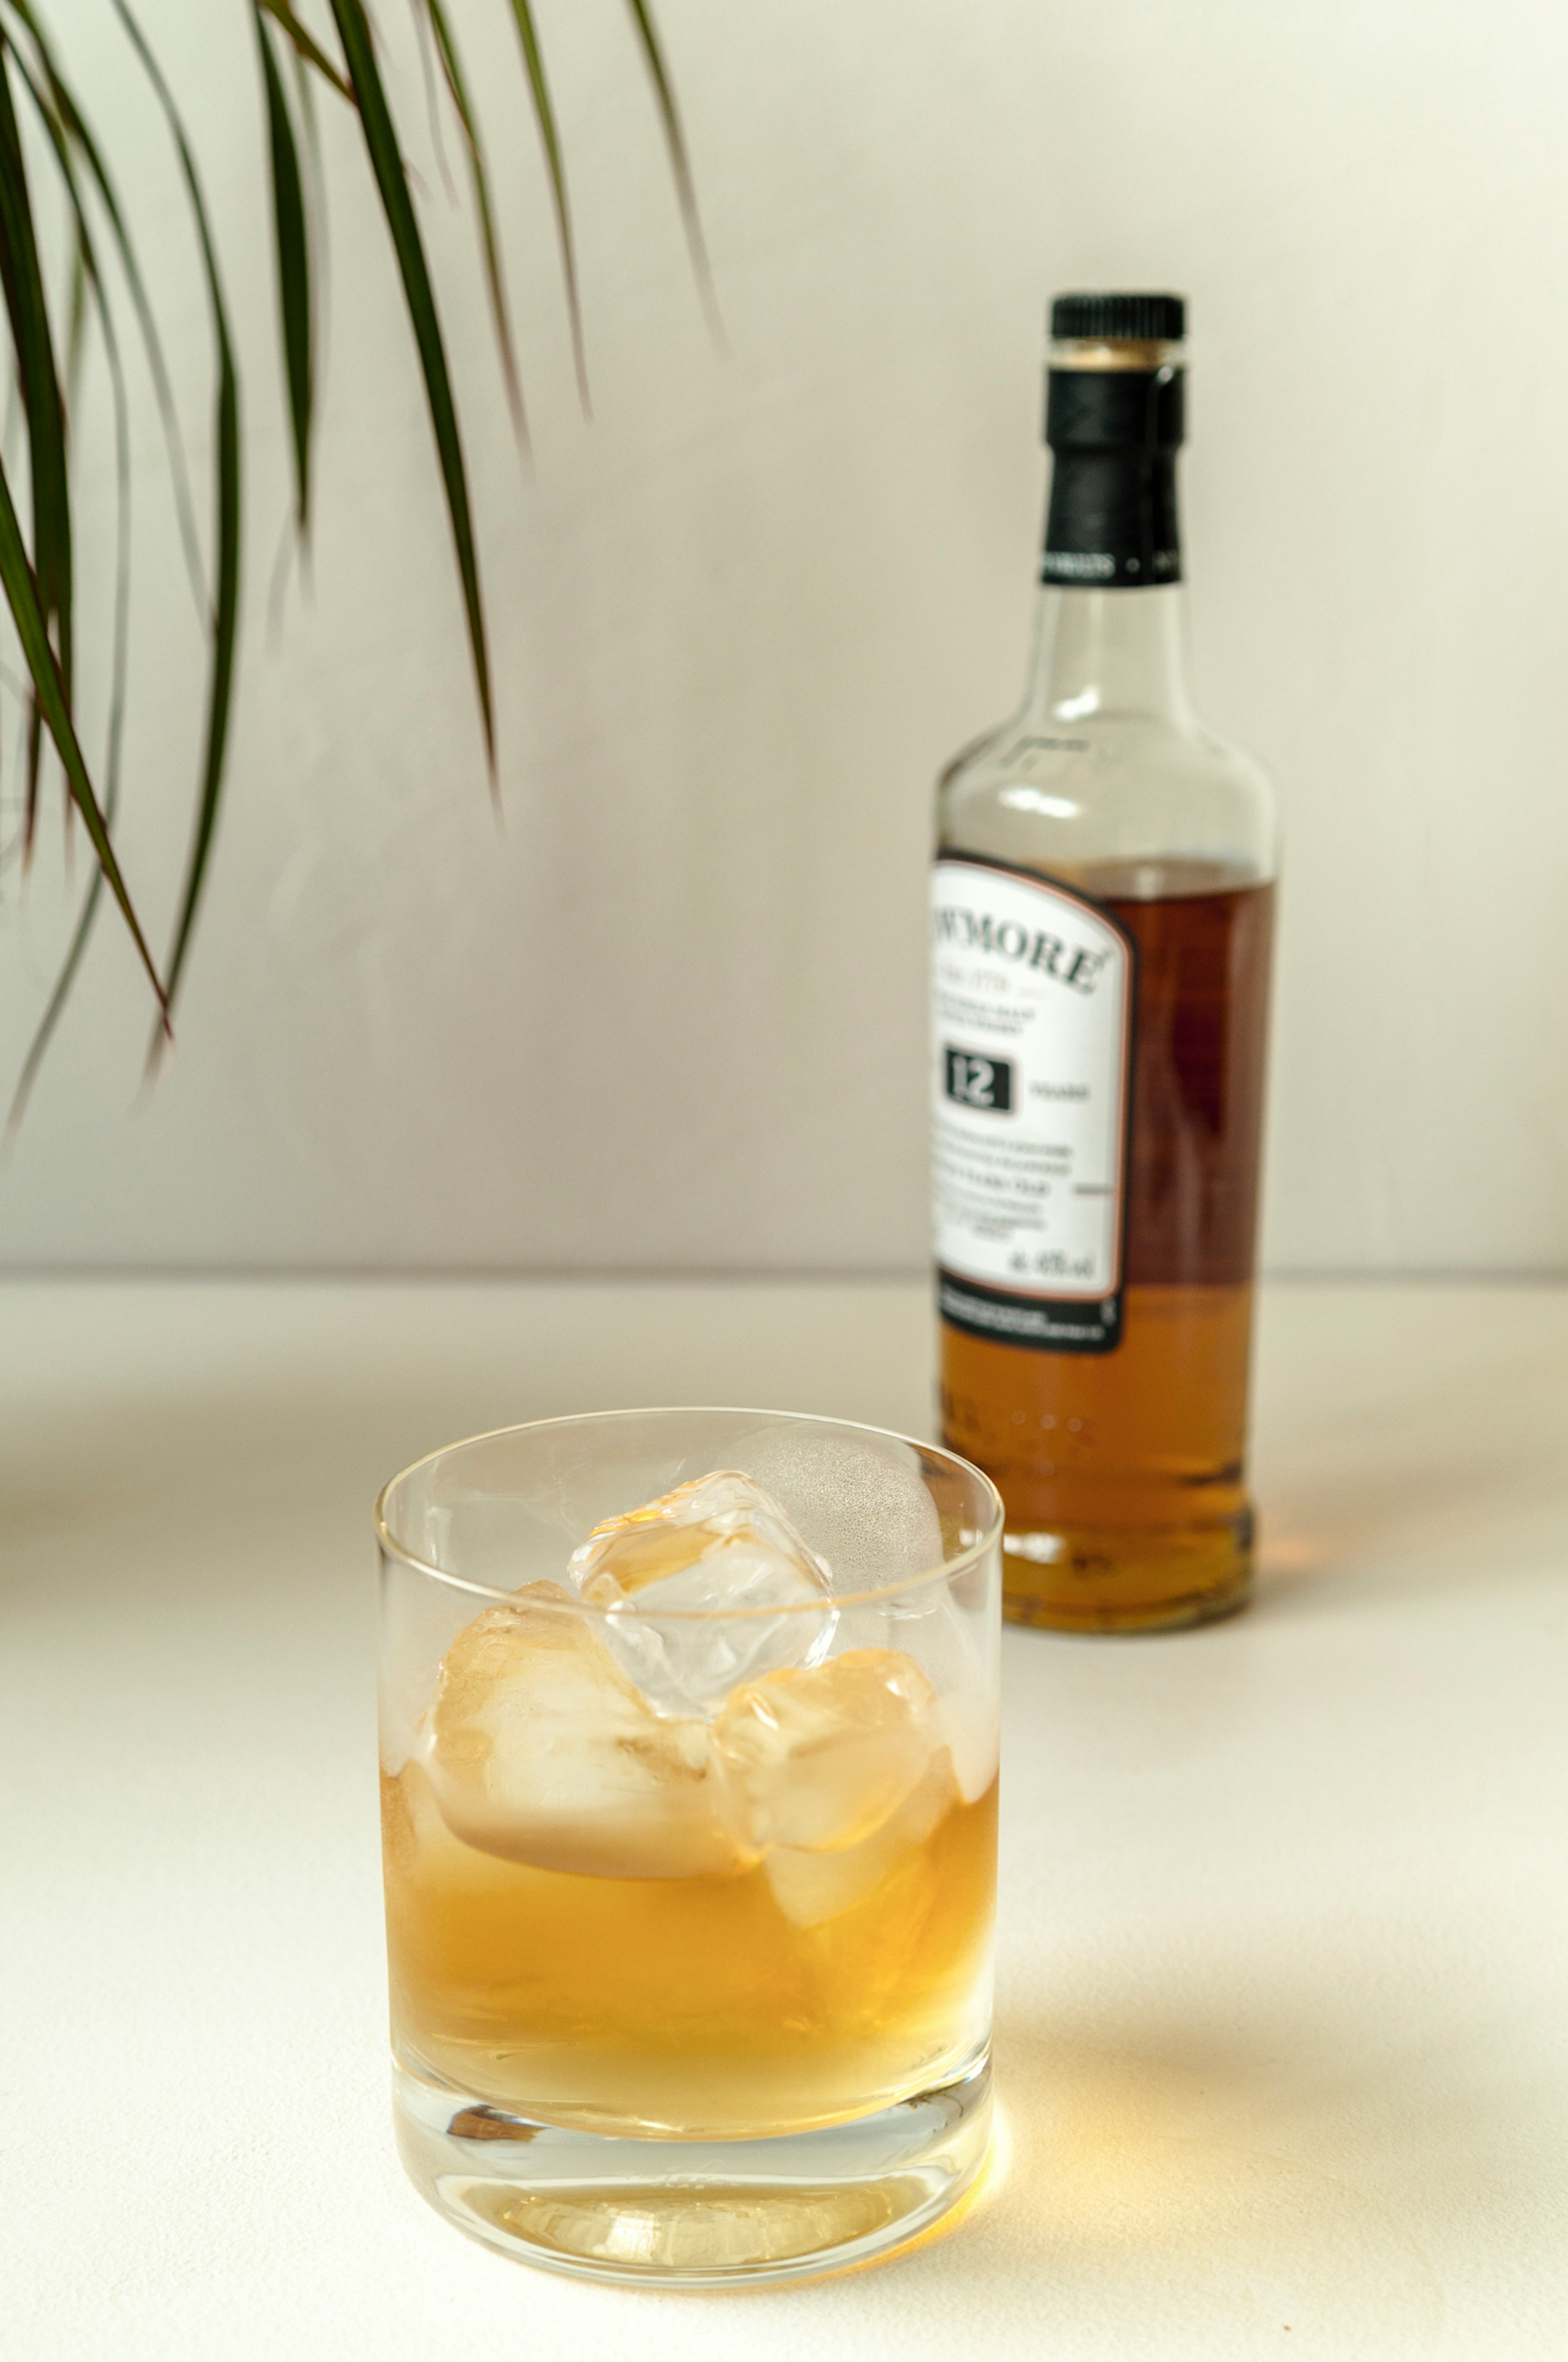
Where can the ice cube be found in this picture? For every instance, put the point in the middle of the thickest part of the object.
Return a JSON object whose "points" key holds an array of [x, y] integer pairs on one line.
{"points": [[686, 1582], [818, 1757], [539, 1749], [812, 1888], [861, 1502], [966, 1724]]}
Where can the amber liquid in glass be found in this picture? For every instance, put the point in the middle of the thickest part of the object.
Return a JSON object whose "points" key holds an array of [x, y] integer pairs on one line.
{"points": [[686, 2007], [1123, 1473]]}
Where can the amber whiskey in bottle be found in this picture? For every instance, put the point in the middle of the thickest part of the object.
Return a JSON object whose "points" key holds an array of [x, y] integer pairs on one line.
{"points": [[1102, 905]]}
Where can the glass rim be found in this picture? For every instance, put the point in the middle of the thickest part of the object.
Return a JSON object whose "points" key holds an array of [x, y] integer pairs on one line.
{"points": [[946, 1569]]}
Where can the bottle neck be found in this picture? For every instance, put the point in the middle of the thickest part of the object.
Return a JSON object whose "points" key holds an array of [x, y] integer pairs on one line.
{"points": [[1104, 655], [1110, 639]]}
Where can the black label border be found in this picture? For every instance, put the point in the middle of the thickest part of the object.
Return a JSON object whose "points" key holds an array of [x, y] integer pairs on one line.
{"points": [[1064, 1326]]}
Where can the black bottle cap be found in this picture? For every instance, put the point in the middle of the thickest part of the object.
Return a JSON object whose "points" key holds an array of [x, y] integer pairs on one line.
{"points": [[1145, 319]]}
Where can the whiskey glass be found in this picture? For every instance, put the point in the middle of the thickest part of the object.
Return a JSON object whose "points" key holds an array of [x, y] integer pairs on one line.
{"points": [[690, 1911]]}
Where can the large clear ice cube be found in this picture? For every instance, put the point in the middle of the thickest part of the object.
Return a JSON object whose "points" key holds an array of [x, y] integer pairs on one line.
{"points": [[818, 1756], [539, 1749], [706, 1588], [837, 1773], [861, 1502], [812, 1888]]}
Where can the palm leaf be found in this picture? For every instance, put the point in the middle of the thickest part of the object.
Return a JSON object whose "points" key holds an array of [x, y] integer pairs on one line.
{"points": [[432, 106], [75, 354], [381, 144], [88, 277], [33, 743], [32, 342], [479, 179], [25, 604], [226, 529], [291, 233], [38, 585], [76, 308], [75, 338], [680, 164], [74, 125], [544, 114], [314, 182], [22, 274], [311, 52]]}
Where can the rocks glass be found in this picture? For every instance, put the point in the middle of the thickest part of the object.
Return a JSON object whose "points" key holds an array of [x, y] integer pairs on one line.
{"points": [[688, 1754]]}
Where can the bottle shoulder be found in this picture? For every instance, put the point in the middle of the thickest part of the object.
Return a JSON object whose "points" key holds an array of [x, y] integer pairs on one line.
{"points": [[1067, 795]]}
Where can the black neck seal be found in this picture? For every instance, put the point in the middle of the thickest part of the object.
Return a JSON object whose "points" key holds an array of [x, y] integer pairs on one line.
{"points": [[1115, 434]]}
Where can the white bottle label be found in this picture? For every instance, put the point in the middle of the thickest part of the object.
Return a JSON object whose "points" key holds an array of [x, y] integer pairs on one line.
{"points": [[1031, 1008]]}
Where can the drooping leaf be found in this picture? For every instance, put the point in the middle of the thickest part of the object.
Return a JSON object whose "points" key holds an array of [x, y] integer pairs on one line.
{"points": [[479, 179], [75, 324], [308, 47], [314, 176], [293, 260], [381, 144], [75, 353], [680, 164], [33, 743], [544, 114], [427, 71], [227, 528], [91, 280], [62, 100], [22, 596], [32, 343]]}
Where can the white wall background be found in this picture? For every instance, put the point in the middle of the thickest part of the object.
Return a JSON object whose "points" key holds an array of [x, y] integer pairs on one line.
{"points": [[673, 1016]]}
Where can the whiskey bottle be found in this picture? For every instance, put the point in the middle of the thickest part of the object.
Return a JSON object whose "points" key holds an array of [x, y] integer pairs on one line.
{"points": [[1102, 899]]}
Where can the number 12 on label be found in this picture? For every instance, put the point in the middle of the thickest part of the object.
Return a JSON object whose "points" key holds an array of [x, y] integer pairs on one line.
{"points": [[978, 1082]]}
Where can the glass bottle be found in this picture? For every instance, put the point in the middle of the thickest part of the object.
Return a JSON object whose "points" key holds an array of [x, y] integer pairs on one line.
{"points": [[1102, 911]]}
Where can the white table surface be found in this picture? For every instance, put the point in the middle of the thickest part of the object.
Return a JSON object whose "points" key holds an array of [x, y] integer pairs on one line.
{"points": [[1283, 1998]]}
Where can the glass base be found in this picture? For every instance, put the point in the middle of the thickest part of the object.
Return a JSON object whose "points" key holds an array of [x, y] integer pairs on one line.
{"points": [[694, 2214]]}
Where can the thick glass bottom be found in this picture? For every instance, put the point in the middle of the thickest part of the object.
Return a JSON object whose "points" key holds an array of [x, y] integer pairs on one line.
{"points": [[697, 2214], [1127, 1578]]}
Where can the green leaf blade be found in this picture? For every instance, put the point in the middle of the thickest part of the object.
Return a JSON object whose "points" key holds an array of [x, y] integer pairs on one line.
{"points": [[228, 521], [550, 139], [78, 132], [489, 242], [21, 272], [54, 1010], [386, 162], [293, 256], [680, 163], [25, 600], [307, 47]]}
